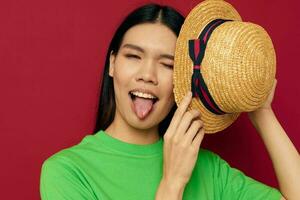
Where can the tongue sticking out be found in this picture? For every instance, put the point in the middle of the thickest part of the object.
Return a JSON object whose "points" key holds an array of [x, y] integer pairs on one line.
{"points": [[142, 106]]}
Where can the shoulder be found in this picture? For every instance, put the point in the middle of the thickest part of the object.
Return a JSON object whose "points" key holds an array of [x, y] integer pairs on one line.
{"points": [[71, 156], [61, 162], [62, 174], [209, 160], [206, 155]]}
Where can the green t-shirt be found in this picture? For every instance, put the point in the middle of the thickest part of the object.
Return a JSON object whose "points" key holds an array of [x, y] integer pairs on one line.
{"points": [[105, 168]]}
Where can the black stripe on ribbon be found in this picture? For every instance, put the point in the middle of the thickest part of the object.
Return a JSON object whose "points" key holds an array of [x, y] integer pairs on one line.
{"points": [[196, 52]]}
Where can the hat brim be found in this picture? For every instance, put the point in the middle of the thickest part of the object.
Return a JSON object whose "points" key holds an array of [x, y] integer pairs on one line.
{"points": [[196, 20]]}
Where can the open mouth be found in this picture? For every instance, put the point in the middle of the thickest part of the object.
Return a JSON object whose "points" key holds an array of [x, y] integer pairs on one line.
{"points": [[142, 103], [135, 94]]}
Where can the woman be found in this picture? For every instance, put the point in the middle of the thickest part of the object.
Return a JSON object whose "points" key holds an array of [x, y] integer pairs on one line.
{"points": [[144, 147]]}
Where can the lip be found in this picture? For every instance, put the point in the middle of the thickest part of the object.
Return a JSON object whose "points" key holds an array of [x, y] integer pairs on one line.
{"points": [[132, 104], [143, 90]]}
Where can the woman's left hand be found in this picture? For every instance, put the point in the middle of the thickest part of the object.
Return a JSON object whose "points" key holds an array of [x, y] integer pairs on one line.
{"points": [[267, 105], [283, 153]]}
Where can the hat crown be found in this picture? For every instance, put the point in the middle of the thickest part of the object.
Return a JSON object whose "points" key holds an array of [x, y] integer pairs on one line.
{"points": [[242, 54], [238, 68]]}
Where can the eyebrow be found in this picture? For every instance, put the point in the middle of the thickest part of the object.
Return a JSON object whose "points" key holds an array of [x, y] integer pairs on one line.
{"points": [[135, 47]]}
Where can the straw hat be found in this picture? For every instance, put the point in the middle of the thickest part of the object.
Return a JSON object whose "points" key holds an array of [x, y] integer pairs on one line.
{"points": [[229, 66]]}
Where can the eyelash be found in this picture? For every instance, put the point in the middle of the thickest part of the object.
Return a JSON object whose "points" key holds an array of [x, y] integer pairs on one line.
{"points": [[169, 66], [132, 56], [137, 57]]}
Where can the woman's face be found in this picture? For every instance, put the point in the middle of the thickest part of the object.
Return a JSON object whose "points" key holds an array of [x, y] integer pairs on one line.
{"points": [[142, 72]]}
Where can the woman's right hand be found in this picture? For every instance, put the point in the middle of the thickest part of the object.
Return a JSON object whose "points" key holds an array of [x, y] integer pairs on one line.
{"points": [[181, 144]]}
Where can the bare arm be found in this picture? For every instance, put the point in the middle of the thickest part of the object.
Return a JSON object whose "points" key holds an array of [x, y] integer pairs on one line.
{"points": [[284, 156]]}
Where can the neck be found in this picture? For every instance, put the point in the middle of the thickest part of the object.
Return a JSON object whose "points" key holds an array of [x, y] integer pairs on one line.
{"points": [[121, 130]]}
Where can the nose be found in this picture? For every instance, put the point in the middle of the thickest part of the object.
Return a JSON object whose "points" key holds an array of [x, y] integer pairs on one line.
{"points": [[147, 72]]}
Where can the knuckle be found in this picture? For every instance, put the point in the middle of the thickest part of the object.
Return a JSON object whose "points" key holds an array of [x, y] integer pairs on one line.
{"points": [[167, 137], [179, 111], [182, 104], [175, 140], [189, 115], [201, 123], [197, 123]]}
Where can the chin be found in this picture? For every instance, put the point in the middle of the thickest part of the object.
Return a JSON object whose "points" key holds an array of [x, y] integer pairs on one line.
{"points": [[143, 124], [156, 116]]}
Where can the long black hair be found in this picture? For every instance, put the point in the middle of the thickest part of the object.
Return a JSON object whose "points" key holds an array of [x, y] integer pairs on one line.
{"points": [[150, 13]]}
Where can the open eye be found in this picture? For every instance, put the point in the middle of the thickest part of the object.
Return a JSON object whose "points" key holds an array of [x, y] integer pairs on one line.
{"points": [[132, 56]]}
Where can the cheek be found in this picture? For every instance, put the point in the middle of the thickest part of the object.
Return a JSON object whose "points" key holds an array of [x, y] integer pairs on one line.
{"points": [[166, 81], [123, 73]]}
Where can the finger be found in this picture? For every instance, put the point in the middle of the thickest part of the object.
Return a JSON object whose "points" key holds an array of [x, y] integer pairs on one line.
{"points": [[275, 83], [182, 108], [179, 113], [186, 122], [198, 139], [272, 92], [192, 131]]}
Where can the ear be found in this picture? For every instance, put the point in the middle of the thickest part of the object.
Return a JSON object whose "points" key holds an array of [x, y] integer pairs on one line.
{"points": [[112, 58]]}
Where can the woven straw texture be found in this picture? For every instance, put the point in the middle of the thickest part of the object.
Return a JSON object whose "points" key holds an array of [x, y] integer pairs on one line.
{"points": [[238, 67]]}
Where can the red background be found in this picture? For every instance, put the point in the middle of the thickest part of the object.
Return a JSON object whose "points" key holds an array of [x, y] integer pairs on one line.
{"points": [[51, 59]]}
